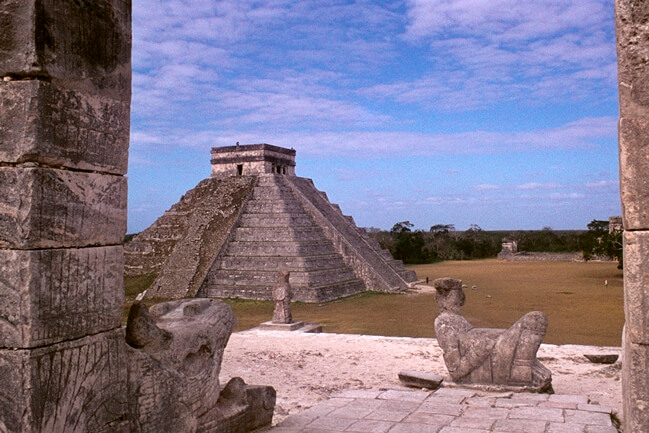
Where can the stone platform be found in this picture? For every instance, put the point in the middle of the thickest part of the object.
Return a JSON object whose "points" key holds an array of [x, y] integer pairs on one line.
{"points": [[293, 326], [450, 410]]}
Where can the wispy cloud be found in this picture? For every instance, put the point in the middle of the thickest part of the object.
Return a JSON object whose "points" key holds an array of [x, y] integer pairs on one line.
{"points": [[583, 134], [459, 85], [485, 187], [603, 184], [537, 185], [485, 53]]}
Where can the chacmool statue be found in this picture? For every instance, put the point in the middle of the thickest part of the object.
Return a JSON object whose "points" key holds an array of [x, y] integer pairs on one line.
{"points": [[489, 356]]}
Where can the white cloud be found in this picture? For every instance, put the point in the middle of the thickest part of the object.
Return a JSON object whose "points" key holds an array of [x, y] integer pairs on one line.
{"points": [[603, 184], [538, 186], [485, 187], [564, 196], [580, 135], [485, 52]]}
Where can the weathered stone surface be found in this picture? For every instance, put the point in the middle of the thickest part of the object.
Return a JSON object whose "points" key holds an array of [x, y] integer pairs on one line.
{"points": [[85, 45], [636, 284], [635, 383], [244, 237], [77, 386], [273, 326], [632, 34], [597, 358], [633, 55], [53, 295], [633, 69], [634, 166], [50, 208], [420, 379], [174, 358], [188, 236], [49, 125], [282, 295], [489, 356]]}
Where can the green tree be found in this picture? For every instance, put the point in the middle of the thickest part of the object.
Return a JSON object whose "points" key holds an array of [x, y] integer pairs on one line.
{"points": [[598, 241], [408, 244]]}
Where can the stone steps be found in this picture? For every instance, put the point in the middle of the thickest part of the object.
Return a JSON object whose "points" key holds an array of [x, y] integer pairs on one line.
{"points": [[229, 277], [269, 234], [274, 232], [298, 263], [273, 207], [276, 220], [302, 294], [380, 276], [279, 248]]}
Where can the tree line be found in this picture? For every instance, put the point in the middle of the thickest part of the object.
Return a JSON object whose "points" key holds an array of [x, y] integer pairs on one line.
{"points": [[444, 242]]}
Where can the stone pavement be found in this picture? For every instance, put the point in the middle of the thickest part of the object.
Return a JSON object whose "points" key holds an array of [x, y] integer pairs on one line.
{"points": [[450, 410]]}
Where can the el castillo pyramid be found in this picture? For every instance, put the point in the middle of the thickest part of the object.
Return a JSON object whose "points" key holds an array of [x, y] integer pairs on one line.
{"points": [[230, 235]]}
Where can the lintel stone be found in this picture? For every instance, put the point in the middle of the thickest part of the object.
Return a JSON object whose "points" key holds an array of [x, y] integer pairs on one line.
{"points": [[85, 44], [71, 387], [45, 124], [51, 208], [48, 296]]}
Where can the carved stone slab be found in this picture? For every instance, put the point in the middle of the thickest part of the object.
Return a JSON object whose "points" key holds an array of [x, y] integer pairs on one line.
{"points": [[634, 166], [73, 387], [86, 44], [635, 383], [633, 69], [636, 301], [47, 296], [49, 208], [175, 354], [43, 123]]}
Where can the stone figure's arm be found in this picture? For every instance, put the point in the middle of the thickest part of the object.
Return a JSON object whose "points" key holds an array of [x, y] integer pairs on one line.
{"points": [[458, 364], [461, 365]]}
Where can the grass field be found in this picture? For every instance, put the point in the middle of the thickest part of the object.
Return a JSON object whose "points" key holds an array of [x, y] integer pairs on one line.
{"points": [[580, 307]]}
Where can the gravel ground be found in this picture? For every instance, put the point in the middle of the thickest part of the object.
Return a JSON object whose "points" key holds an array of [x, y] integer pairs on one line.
{"points": [[305, 369]]}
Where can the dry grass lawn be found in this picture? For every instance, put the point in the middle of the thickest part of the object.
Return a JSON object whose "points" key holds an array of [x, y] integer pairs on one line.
{"points": [[580, 307]]}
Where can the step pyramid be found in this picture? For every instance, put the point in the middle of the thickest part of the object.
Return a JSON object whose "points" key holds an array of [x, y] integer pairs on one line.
{"points": [[274, 233], [229, 236]]}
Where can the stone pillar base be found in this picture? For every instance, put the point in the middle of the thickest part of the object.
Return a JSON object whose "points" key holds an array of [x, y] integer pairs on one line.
{"points": [[294, 326]]}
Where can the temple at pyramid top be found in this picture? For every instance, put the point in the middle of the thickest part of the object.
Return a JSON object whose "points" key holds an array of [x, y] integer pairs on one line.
{"points": [[252, 159]]}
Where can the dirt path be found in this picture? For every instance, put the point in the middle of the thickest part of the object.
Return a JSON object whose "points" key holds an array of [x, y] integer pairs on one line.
{"points": [[308, 368]]}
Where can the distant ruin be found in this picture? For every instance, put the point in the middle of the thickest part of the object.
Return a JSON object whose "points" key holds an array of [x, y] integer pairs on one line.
{"points": [[228, 237]]}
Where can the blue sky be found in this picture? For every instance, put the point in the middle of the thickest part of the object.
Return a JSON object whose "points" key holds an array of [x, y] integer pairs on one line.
{"points": [[500, 113]]}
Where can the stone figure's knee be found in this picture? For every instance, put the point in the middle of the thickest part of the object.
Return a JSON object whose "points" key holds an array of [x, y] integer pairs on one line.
{"points": [[535, 321]]}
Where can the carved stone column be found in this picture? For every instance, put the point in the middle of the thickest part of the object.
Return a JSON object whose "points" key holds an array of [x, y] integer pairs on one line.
{"points": [[632, 20], [65, 80]]}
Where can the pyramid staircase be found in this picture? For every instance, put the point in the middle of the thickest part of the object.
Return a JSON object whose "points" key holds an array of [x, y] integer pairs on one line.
{"points": [[287, 224]]}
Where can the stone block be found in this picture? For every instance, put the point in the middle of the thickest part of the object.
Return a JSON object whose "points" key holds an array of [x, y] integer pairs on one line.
{"points": [[46, 124], [48, 296], [634, 164], [636, 286], [420, 379], [50, 208], [72, 387], [635, 383], [85, 45], [633, 54]]}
